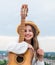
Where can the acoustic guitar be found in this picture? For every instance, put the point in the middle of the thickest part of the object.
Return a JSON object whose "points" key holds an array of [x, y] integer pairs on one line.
{"points": [[26, 58]]}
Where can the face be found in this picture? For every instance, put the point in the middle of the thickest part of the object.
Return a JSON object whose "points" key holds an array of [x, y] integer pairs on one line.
{"points": [[28, 32]]}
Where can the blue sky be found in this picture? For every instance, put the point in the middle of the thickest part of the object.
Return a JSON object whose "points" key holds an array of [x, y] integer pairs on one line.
{"points": [[42, 12]]}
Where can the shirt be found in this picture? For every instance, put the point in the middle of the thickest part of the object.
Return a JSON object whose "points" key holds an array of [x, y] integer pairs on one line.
{"points": [[20, 48]]}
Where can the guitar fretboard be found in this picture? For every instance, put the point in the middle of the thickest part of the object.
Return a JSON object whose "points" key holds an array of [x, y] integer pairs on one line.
{"points": [[21, 30]]}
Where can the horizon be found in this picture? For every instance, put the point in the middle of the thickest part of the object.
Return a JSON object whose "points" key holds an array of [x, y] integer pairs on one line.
{"points": [[45, 43]]}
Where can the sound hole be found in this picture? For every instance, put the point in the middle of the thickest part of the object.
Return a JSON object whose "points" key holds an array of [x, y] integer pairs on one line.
{"points": [[19, 59]]}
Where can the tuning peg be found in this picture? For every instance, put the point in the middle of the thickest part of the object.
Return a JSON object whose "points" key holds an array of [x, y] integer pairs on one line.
{"points": [[24, 6]]}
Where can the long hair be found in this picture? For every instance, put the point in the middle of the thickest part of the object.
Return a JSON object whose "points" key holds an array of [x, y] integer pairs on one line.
{"points": [[34, 42]]}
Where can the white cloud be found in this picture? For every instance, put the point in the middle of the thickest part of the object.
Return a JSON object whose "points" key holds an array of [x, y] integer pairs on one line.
{"points": [[46, 43]]}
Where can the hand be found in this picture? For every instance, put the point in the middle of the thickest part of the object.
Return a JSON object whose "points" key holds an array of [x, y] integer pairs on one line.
{"points": [[40, 53], [30, 46]]}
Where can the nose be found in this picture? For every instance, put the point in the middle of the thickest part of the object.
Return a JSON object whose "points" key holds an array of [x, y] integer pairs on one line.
{"points": [[27, 32]]}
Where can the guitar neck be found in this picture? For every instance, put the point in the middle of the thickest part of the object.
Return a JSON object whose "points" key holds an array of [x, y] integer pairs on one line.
{"points": [[21, 36], [24, 11]]}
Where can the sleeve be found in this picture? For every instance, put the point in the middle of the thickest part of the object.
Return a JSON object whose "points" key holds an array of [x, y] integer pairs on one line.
{"points": [[34, 62], [18, 48], [40, 62]]}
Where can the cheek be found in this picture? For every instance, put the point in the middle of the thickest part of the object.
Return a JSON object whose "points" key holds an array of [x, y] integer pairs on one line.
{"points": [[32, 34]]}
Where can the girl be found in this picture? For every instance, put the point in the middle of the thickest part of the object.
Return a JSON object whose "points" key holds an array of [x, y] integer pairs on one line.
{"points": [[31, 33], [30, 41]]}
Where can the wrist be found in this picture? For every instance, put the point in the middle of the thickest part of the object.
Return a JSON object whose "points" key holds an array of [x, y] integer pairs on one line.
{"points": [[40, 58]]}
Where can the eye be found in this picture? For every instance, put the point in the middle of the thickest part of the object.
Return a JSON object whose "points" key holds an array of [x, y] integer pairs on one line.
{"points": [[25, 30], [30, 30]]}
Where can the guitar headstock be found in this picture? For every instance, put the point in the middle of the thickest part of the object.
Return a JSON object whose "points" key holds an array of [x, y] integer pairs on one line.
{"points": [[24, 11]]}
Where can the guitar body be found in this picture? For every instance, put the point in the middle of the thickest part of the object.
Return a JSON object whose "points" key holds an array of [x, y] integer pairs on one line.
{"points": [[26, 58]]}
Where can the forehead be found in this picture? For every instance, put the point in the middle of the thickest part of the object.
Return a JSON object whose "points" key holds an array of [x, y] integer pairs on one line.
{"points": [[28, 26]]}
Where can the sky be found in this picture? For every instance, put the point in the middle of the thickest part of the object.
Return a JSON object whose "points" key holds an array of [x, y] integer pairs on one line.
{"points": [[42, 12]]}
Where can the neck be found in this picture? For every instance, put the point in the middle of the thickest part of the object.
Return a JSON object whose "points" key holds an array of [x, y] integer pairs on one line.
{"points": [[28, 41]]}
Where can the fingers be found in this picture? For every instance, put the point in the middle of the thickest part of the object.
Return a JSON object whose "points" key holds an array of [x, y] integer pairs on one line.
{"points": [[40, 52], [31, 47]]}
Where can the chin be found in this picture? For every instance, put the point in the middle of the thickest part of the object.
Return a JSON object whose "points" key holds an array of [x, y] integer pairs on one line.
{"points": [[28, 39]]}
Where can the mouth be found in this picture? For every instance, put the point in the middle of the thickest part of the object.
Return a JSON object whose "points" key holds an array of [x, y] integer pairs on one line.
{"points": [[28, 36]]}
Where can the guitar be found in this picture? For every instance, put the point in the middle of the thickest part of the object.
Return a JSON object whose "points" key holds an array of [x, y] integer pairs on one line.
{"points": [[26, 58]]}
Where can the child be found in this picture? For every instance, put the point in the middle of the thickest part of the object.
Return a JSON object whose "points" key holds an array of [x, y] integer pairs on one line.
{"points": [[31, 33], [30, 41]]}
